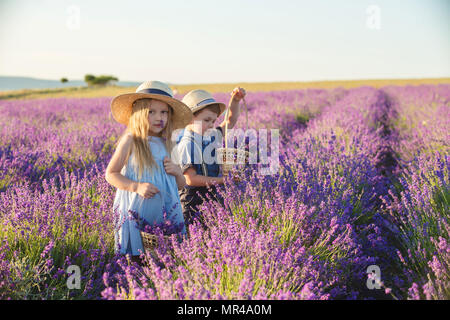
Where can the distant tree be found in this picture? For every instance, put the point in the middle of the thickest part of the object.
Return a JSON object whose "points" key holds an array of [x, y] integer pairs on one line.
{"points": [[104, 80], [89, 78], [100, 80], [64, 80]]}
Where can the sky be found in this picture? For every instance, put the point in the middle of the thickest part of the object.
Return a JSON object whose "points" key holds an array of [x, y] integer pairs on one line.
{"points": [[199, 41]]}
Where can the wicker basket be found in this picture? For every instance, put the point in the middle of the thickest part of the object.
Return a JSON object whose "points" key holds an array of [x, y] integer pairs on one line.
{"points": [[150, 241], [232, 156]]}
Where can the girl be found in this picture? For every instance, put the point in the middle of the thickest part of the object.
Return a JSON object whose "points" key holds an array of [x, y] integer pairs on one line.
{"points": [[147, 181]]}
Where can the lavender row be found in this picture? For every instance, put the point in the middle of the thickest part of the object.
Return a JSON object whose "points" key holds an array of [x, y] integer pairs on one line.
{"points": [[308, 232], [56, 206], [419, 202]]}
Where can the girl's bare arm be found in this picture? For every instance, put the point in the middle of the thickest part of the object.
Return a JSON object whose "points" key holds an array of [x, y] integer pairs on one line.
{"points": [[113, 175]]}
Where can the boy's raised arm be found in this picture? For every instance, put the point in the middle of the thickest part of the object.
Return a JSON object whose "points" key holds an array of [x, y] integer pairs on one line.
{"points": [[236, 95]]}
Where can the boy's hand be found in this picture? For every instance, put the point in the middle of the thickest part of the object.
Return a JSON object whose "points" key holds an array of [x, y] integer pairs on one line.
{"points": [[146, 190], [238, 93], [171, 168]]}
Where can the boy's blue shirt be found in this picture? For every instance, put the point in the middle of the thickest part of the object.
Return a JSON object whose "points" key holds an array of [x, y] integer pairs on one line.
{"points": [[188, 151]]}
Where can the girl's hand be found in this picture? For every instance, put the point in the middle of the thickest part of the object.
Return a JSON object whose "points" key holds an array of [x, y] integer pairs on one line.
{"points": [[146, 190], [171, 168], [238, 93]]}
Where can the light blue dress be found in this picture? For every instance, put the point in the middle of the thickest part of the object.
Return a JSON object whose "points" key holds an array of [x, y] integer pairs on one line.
{"points": [[126, 231]]}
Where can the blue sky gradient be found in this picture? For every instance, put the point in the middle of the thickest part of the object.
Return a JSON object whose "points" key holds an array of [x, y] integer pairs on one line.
{"points": [[201, 41]]}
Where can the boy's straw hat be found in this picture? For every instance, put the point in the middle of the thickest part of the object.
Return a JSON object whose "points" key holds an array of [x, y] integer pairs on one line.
{"points": [[199, 99], [121, 106]]}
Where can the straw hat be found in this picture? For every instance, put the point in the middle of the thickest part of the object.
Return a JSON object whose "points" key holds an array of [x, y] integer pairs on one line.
{"points": [[121, 106], [200, 99]]}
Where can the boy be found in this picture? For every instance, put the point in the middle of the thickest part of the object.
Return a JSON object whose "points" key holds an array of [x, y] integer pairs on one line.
{"points": [[199, 167]]}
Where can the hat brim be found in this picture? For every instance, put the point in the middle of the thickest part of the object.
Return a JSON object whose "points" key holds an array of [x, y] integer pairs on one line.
{"points": [[121, 108], [220, 104]]}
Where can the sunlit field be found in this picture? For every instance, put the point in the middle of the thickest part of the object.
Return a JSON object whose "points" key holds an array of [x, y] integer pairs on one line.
{"points": [[363, 180], [109, 91]]}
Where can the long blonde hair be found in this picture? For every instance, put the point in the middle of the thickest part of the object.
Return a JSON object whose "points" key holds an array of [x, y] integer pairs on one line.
{"points": [[139, 126]]}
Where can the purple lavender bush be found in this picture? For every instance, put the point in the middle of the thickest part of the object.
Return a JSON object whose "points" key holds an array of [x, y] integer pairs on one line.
{"points": [[419, 202], [361, 179]]}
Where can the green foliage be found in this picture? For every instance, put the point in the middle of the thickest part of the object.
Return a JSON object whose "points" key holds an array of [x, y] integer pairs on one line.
{"points": [[89, 78], [102, 80], [302, 118]]}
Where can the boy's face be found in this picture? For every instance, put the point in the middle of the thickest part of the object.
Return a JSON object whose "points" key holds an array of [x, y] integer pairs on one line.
{"points": [[204, 121]]}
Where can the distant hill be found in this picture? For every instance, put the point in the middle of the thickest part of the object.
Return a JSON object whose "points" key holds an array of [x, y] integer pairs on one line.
{"points": [[19, 83]]}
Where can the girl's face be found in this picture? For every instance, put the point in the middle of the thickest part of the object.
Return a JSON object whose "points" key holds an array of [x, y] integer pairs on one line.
{"points": [[206, 118], [158, 116]]}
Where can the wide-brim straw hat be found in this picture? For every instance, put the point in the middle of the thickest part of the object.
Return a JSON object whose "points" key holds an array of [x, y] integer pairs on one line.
{"points": [[199, 99], [122, 105]]}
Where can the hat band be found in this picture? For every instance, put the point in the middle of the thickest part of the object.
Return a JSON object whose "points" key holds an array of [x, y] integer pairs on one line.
{"points": [[154, 91], [209, 100]]}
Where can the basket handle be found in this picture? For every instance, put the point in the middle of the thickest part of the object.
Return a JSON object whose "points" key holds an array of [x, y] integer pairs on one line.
{"points": [[226, 121]]}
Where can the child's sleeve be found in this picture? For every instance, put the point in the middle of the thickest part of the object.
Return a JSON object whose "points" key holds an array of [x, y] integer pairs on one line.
{"points": [[189, 155]]}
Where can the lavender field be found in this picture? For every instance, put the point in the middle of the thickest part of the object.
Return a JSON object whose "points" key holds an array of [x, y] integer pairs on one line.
{"points": [[363, 180]]}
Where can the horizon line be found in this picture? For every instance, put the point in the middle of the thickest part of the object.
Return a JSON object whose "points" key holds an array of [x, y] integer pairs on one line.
{"points": [[264, 81]]}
